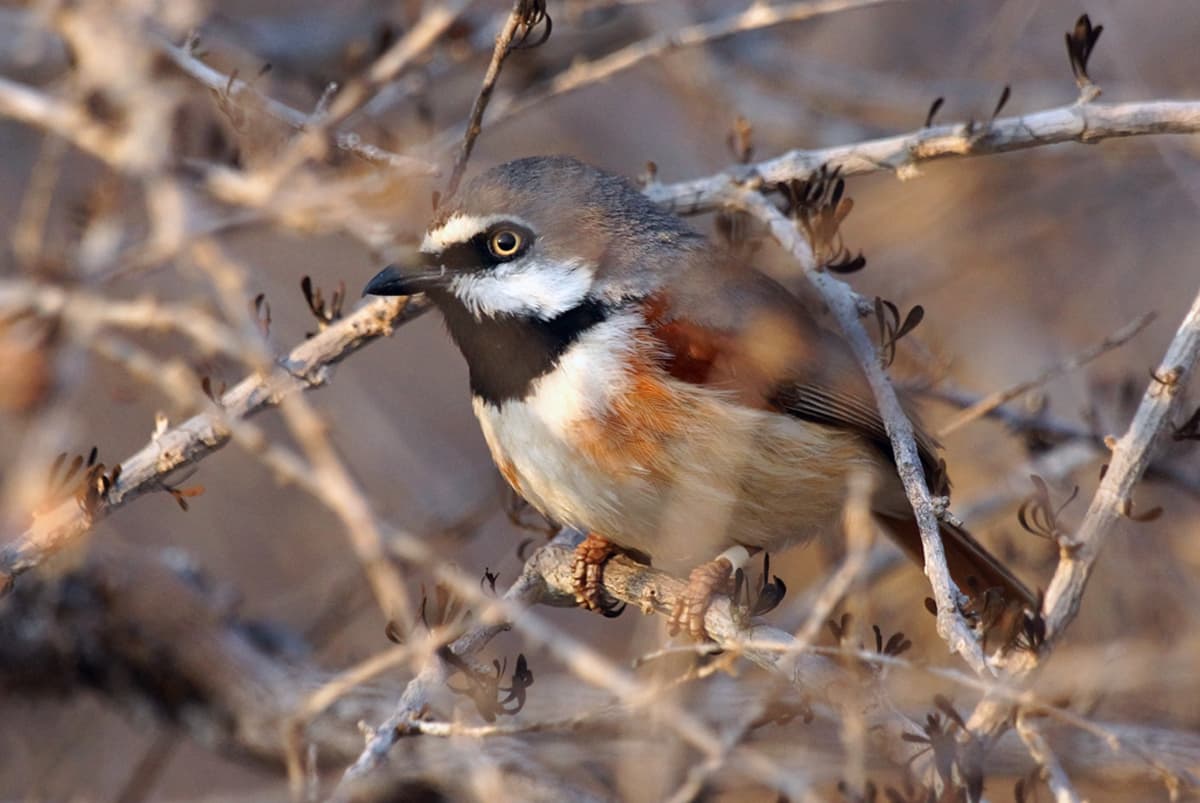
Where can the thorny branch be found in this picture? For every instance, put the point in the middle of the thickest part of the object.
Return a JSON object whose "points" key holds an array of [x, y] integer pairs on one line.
{"points": [[1113, 500], [151, 468], [233, 88], [583, 661], [258, 187], [843, 303], [1043, 425], [228, 681], [903, 154], [525, 14], [587, 73], [190, 442], [993, 400]]}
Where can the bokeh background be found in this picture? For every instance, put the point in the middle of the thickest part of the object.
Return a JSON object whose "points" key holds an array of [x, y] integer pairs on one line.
{"points": [[1019, 261]]}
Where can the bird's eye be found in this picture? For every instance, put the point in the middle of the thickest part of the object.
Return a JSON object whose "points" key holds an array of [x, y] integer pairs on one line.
{"points": [[505, 243]]}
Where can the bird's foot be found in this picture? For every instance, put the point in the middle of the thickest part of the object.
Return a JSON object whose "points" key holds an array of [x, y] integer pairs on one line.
{"points": [[588, 570], [707, 579]]}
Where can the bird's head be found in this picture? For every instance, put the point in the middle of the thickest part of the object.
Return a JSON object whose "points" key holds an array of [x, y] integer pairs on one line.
{"points": [[539, 237]]}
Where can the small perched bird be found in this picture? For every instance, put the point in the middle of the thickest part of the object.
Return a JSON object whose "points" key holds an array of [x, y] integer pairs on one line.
{"points": [[634, 382]]}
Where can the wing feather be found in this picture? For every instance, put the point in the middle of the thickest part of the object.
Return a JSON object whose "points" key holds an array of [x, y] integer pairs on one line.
{"points": [[748, 335]]}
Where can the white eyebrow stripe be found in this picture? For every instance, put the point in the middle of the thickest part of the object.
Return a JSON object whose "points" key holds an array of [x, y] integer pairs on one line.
{"points": [[460, 228]]}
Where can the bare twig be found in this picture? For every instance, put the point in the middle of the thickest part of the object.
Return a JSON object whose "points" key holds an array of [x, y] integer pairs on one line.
{"points": [[249, 694], [993, 400], [91, 312], [1052, 771], [1089, 122], [72, 123], [1058, 429], [203, 434], [527, 590], [535, 584], [257, 188], [755, 17], [233, 87], [860, 530], [816, 671], [503, 46], [1113, 500], [843, 304]]}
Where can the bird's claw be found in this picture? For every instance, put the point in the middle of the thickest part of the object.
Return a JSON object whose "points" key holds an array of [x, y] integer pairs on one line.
{"points": [[588, 572], [707, 579]]}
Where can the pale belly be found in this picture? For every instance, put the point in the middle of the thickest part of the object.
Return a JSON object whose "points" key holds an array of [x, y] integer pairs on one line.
{"points": [[681, 485]]}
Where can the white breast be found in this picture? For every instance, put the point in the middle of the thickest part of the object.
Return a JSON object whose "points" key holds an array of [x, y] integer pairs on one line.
{"points": [[726, 474], [532, 437]]}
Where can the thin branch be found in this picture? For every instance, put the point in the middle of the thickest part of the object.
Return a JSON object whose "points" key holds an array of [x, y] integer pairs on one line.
{"points": [[146, 470], [757, 16], [247, 694], [231, 87], [258, 187], [843, 303], [1052, 771], [527, 590], [860, 532], [1058, 429], [503, 46], [1113, 500], [819, 673], [536, 584], [70, 122], [1088, 123], [91, 312], [993, 400]]}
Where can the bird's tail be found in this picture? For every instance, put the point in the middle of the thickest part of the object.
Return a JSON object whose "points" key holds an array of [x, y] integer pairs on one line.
{"points": [[976, 571]]}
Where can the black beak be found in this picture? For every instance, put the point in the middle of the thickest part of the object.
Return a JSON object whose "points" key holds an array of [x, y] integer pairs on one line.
{"points": [[392, 282]]}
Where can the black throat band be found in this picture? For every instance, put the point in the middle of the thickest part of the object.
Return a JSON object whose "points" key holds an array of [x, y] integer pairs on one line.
{"points": [[507, 353]]}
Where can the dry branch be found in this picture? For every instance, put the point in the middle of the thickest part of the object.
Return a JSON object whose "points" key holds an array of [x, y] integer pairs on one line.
{"points": [[1112, 502], [587, 73], [817, 675], [237, 685], [90, 313], [545, 583], [231, 87], [843, 303], [258, 187], [500, 51], [306, 366], [903, 154], [547, 578], [1131, 455], [1060, 430], [993, 400], [1056, 778], [68, 120]]}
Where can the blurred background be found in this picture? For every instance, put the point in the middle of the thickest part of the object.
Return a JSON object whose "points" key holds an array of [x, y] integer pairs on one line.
{"points": [[1019, 261]]}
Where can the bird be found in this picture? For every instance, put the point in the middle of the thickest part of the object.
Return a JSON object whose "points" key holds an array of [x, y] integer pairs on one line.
{"points": [[638, 382]]}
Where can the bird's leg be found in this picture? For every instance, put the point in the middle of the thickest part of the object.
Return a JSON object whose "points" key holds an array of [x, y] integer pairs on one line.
{"points": [[707, 579], [587, 571]]}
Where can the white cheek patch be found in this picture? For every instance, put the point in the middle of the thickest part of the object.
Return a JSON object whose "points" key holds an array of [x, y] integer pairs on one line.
{"points": [[460, 228], [528, 286]]}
